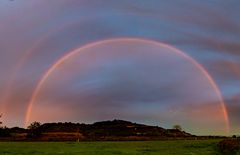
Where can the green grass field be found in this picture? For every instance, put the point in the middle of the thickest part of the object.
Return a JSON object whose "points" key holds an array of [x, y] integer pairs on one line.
{"points": [[173, 147]]}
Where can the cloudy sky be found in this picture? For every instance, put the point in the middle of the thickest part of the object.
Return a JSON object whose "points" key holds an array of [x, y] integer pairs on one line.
{"points": [[141, 80]]}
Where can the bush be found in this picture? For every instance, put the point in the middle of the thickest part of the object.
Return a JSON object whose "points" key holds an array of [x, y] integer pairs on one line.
{"points": [[229, 146]]}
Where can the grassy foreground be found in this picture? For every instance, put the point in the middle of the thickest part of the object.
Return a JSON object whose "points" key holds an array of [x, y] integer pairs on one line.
{"points": [[173, 147]]}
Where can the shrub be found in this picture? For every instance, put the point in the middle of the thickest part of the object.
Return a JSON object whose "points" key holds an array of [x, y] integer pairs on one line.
{"points": [[229, 146]]}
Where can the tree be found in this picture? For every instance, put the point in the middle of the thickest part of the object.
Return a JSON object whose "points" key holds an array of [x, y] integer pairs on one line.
{"points": [[4, 131], [234, 136], [34, 125], [34, 129], [177, 127], [0, 117]]}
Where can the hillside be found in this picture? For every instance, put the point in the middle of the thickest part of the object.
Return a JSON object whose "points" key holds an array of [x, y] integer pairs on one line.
{"points": [[105, 130]]}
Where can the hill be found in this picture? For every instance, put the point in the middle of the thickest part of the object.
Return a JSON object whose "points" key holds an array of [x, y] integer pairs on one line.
{"points": [[105, 130]]}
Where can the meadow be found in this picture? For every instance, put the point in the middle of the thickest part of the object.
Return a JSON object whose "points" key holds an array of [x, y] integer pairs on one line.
{"points": [[168, 147]]}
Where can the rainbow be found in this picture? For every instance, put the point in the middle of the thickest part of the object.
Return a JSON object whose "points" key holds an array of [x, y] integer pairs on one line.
{"points": [[78, 50]]}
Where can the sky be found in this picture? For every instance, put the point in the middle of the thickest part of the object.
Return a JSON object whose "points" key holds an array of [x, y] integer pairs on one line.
{"points": [[153, 78]]}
